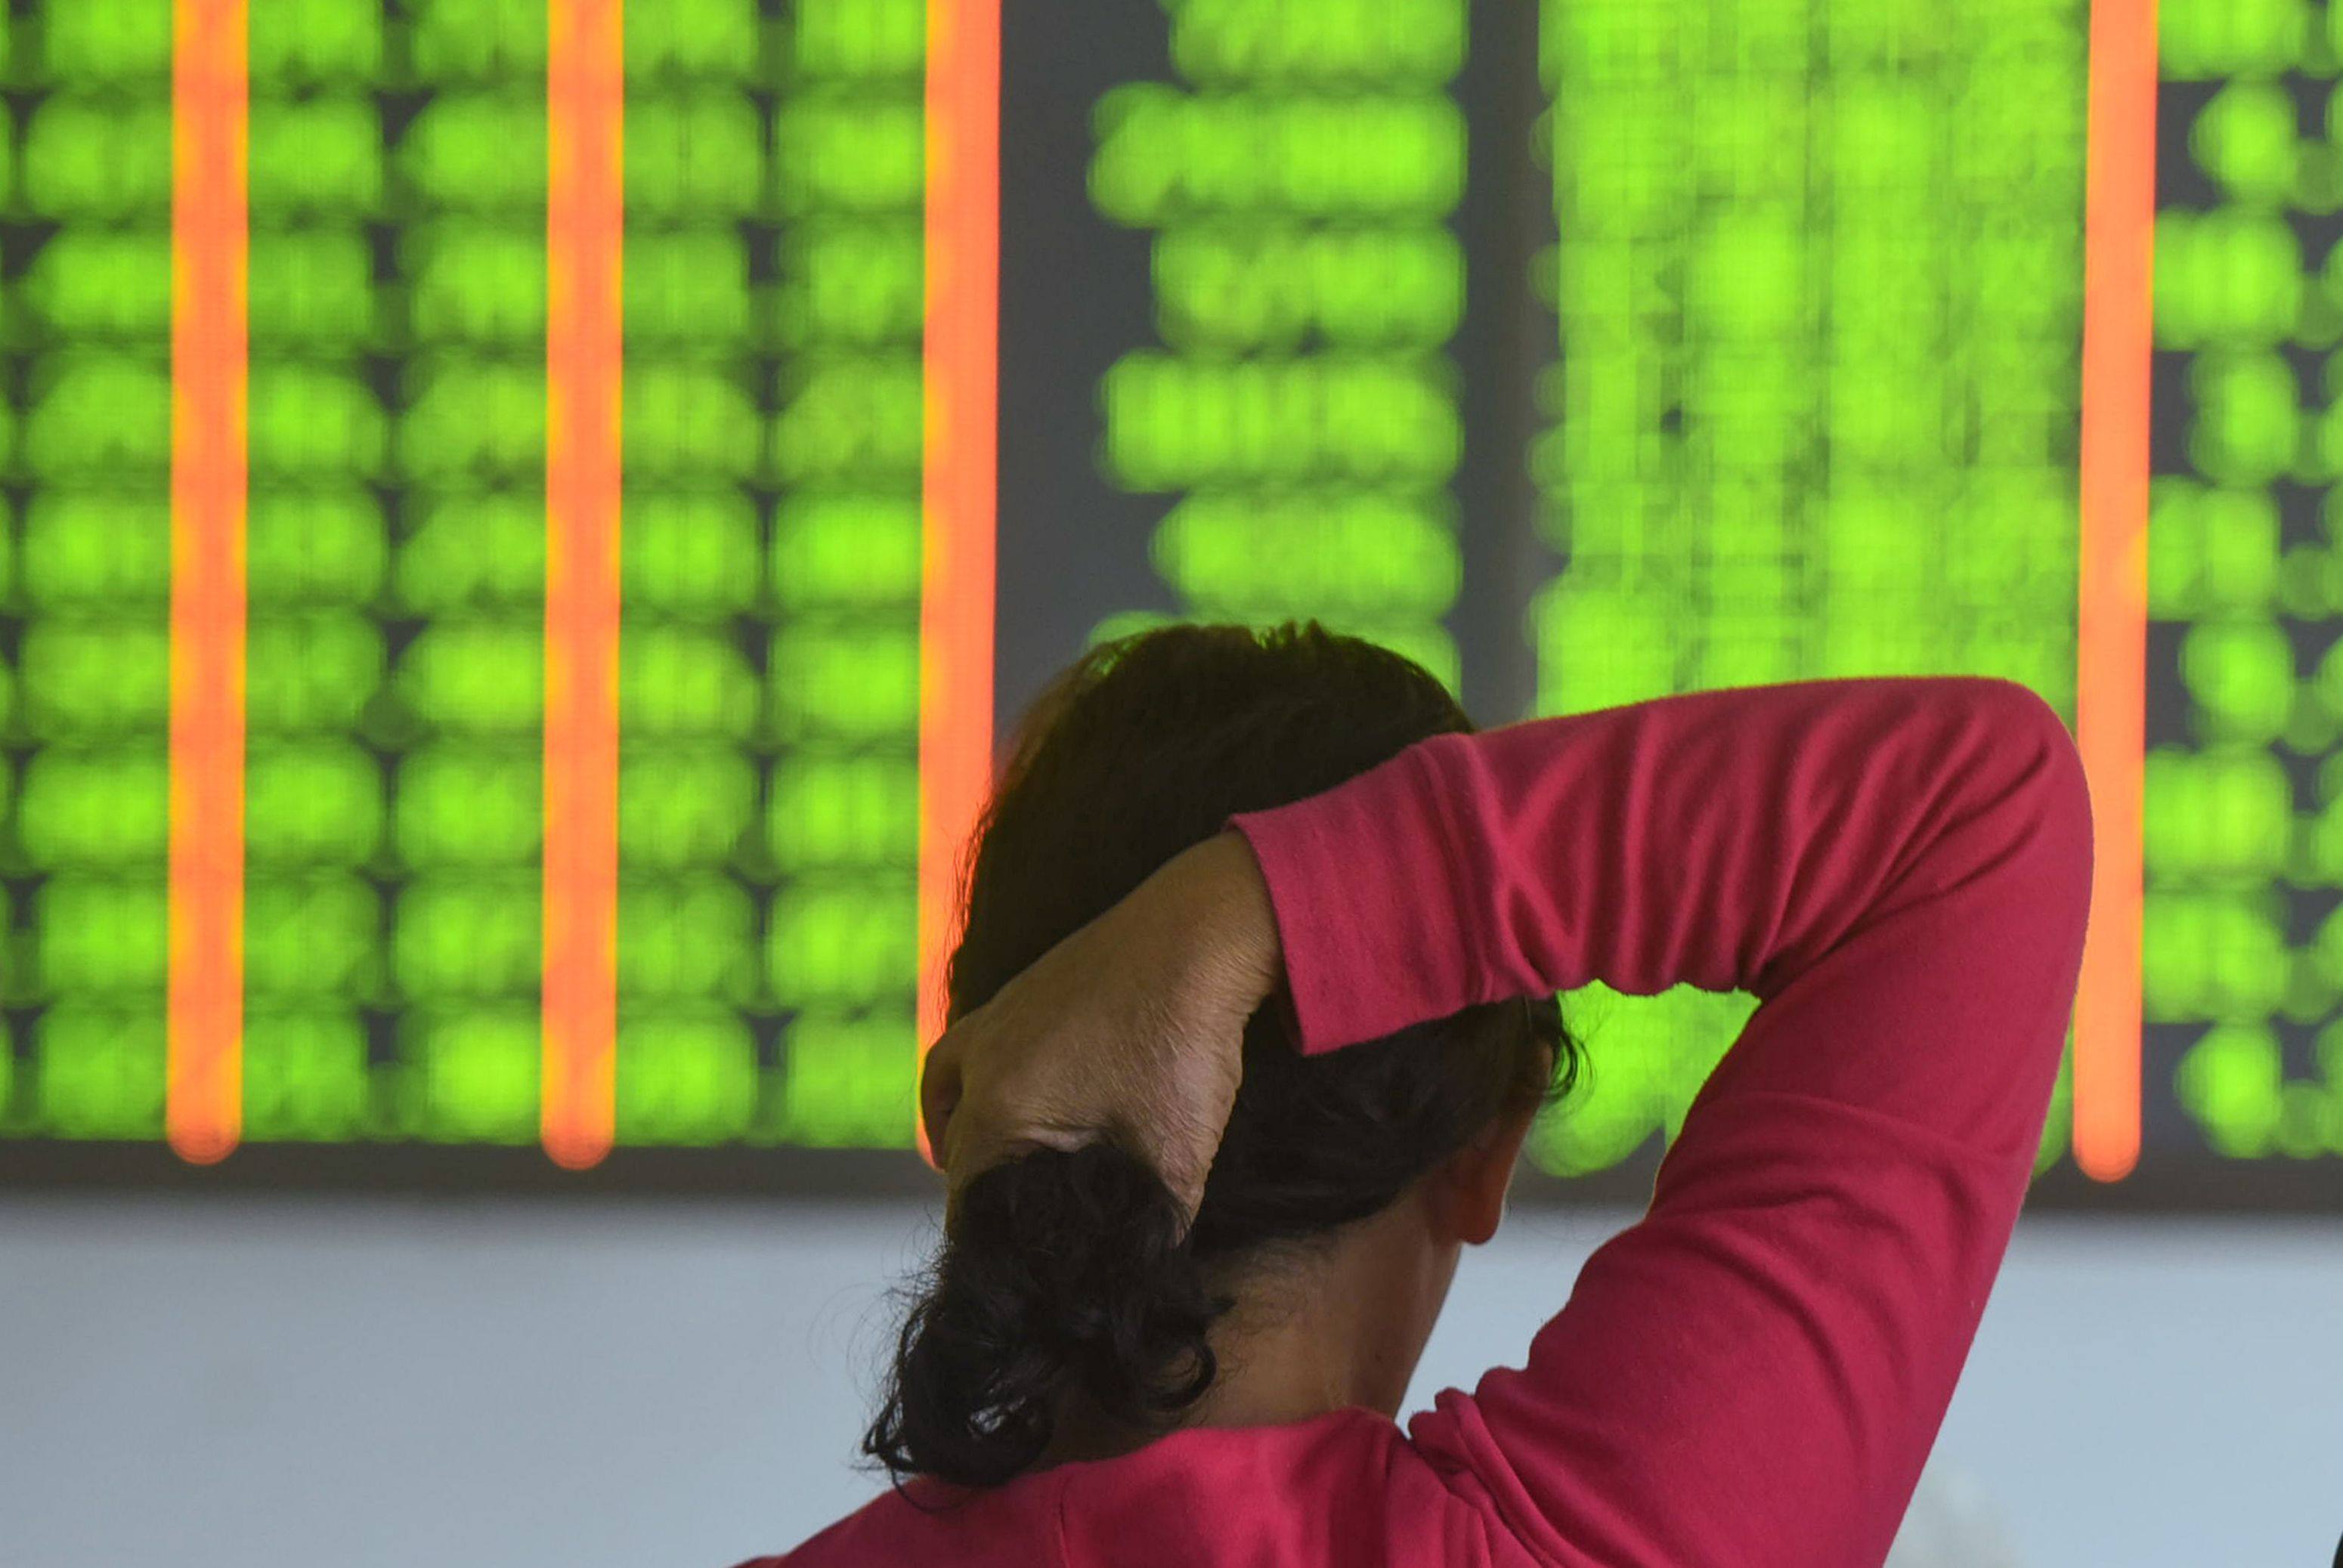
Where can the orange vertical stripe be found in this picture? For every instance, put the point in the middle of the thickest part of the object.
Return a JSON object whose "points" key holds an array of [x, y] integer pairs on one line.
{"points": [[203, 1085], [2111, 663], [962, 371], [585, 107]]}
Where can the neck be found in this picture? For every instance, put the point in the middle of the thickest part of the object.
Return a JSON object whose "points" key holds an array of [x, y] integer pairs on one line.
{"points": [[1341, 1325]]}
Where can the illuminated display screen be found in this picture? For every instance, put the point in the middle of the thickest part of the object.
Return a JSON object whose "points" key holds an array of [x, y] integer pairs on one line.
{"points": [[1292, 381], [767, 689], [1819, 285], [2244, 836], [1762, 364], [84, 692], [554, 781]]}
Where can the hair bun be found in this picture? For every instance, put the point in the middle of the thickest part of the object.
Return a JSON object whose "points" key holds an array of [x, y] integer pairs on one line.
{"points": [[1060, 1273]]}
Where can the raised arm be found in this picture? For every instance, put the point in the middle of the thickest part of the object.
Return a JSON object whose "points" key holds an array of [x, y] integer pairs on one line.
{"points": [[1899, 870]]}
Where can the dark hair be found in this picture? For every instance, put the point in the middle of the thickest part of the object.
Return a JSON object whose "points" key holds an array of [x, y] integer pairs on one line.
{"points": [[1067, 1276]]}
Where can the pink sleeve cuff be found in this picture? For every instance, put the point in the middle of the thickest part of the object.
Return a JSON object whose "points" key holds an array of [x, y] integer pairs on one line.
{"points": [[1362, 879]]}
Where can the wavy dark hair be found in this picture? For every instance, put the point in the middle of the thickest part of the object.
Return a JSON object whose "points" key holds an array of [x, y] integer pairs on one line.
{"points": [[1070, 1276]]}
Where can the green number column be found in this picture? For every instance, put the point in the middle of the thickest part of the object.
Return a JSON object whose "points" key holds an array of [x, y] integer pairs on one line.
{"points": [[1818, 288], [89, 324], [842, 659], [467, 187], [2243, 960], [695, 176], [1299, 180], [317, 558]]}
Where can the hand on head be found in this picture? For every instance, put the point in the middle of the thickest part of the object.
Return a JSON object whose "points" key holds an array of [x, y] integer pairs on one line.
{"points": [[1129, 1030]]}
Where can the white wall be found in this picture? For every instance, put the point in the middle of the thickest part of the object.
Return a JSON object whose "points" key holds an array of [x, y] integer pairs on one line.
{"points": [[227, 1385]]}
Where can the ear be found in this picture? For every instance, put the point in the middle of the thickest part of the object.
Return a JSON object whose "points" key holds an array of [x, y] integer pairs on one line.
{"points": [[1467, 1190]]}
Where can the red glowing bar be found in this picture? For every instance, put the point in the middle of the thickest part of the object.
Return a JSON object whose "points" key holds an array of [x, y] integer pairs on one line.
{"points": [[2111, 664], [961, 381], [204, 1076], [585, 108]]}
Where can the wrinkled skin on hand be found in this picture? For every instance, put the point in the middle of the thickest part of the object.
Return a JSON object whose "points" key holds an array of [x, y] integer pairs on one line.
{"points": [[1130, 1030]]}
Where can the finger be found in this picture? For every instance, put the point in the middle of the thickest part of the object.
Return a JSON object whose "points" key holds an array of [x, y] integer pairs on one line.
{"points": [[982, 1137], [974, 1151], [1172, 1159], [939, 1095], [1186, 1186]]}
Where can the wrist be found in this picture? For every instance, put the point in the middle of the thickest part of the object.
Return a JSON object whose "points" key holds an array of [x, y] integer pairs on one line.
{"points": [[1227, 923]]}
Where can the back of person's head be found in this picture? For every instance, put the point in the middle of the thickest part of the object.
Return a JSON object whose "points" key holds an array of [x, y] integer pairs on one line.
{"points": [[1071, 1275]]}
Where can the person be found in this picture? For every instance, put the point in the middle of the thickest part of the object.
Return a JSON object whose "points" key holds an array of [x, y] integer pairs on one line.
{"points": [[1250, 1014]]}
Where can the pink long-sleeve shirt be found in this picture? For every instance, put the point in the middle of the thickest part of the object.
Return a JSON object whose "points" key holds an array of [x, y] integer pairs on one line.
{"points": [[1753, 1375]]}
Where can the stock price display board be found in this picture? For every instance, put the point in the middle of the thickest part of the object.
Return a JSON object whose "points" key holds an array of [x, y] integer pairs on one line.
{"points": [[2243, 993], [395, 825], [1717, 343], [1584, 352]]}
